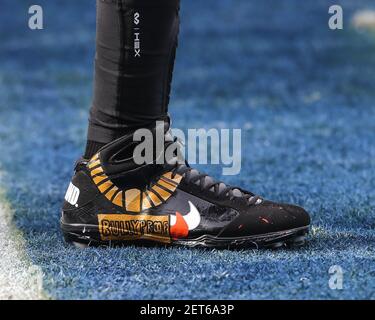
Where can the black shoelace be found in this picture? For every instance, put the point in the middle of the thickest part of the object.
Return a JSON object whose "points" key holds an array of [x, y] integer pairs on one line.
{"points": [[206, 182]]}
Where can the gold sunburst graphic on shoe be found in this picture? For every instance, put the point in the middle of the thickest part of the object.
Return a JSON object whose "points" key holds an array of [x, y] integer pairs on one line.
{"points": [[133, 200]]}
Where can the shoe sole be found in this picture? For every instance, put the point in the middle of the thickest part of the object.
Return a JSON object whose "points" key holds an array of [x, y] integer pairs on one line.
{"points": [[84, 236]]}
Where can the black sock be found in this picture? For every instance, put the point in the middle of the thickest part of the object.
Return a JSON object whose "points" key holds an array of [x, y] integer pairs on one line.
{"points": [[135, 49]]}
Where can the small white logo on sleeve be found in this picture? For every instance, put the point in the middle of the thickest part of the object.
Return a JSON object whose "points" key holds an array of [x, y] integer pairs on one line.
{"points": [[72, 195], [136, 18], [137, 36]]}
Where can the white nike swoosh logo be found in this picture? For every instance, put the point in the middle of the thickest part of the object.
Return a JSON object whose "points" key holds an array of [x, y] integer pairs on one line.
{"points": [[192, 219]]}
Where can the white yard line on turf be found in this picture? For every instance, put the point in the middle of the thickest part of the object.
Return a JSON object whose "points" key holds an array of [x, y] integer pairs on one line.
{"points": [[19, 278]]}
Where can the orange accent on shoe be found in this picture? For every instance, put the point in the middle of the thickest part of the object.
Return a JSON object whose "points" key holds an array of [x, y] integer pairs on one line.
{"points": [[180, 229]]}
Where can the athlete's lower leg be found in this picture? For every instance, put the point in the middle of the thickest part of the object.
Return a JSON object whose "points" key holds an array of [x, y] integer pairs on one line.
{"points": [[135, 49]]}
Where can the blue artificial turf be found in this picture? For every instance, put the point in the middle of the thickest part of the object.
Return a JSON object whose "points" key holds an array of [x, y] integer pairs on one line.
{"points": [[303, 95]]}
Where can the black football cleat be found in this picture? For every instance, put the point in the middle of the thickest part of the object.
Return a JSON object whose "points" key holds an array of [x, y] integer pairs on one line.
{"points": [[111, 200]]}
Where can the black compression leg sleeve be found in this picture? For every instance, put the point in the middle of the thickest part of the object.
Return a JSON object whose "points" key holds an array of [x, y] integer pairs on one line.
{"points": [[135, 49]]}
